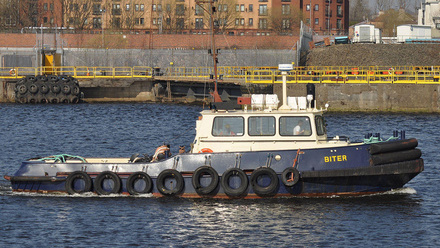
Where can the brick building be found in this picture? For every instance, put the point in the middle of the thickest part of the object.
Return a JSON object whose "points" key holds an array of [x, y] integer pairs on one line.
{"points": [[233, 17]]}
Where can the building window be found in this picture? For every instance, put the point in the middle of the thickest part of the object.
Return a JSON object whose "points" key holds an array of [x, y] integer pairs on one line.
{"points": [[251, 22], [262, 23], [437, 25], [339, 10], [199, 23], [237, 8], [237, 20], [159, 7], [198, 10], [316, 21], [339, 24], [51, 21], [285, 9], [286, 24], [262, 0], [45, 19], [45, 7], [251, 7], [308, 21], [180, 9], [97, 22], [285, 0], [316, 7], [308, 7], [127, 7], [52, 6], [136, 7], [153, 7], [262, 10], [142, 7], [242, 7]]}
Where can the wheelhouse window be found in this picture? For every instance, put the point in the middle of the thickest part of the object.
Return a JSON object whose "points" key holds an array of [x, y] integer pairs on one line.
{"points": [[228, 126], [320, 125], [295, 126], [261, 126]]}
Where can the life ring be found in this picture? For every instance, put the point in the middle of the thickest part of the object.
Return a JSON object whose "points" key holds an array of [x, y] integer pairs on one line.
{"points": [[73, 179], [105, 178], [229, 190], [256, 178], [205, 150], [133, 180], [12, 72], [199, 173], [170, 174], [286, 176]]}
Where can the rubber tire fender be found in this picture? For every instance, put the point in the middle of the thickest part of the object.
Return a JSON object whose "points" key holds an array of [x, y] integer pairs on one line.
{"points": [[22, 89], [160, 182], [52, 78], [55, 88], [225, 182], [287, 174], [44, 88], [198, 173], [33, 88], [65, 88], [78, 175], [107, 175], [269, 190], [139, 176]]}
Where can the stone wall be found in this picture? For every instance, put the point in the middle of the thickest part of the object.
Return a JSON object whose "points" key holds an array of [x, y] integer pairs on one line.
{"points": [[371, 97]]}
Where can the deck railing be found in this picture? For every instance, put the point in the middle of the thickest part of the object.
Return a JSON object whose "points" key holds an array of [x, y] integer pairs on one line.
{"points": [[263, 75]]}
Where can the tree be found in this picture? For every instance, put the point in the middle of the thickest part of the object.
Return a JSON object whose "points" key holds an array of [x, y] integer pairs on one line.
{"points": [[225, 14], [9, 14], [76, 14], [383, 5], [283, 19], [359, 11], [175, 16]]}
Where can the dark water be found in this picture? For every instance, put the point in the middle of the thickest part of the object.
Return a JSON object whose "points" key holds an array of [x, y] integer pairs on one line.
{"points": [[409, 217]]}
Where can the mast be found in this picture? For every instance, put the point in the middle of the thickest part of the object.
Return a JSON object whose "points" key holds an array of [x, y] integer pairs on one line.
{"points": [[213, 50]]}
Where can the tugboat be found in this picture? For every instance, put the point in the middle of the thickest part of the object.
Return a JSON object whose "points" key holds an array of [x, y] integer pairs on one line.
{"points": [[257, 151]]}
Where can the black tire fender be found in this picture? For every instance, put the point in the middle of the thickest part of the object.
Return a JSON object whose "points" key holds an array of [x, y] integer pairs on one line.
{"points": [[111, 176], [133, 178], [44, 88], [286, 176], [198, 174], [55, 88], [269, 190], [65, 88], [22, 89], [33, 88], [239, 191], [170, 173], [69, 184]]}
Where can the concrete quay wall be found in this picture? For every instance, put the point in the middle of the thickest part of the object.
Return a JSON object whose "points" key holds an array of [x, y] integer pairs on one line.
{"points": [[371, 97]]}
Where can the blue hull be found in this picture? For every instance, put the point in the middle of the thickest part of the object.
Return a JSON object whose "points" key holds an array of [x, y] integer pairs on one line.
{"points": [[348, 170]]}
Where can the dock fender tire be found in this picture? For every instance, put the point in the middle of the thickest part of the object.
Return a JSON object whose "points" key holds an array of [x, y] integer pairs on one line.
{"points": [[240, 190], [134, 178], [52, 78], [107, 175], [286, 176], [269, 190], [44, 88], [164, 175], [55, 88], [22, 89], [65, 88], [33, 88], [198, 174], [78, 175]]}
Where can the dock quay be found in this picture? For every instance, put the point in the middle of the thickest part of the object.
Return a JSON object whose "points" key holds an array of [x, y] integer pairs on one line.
{"points": [[385, 88]]}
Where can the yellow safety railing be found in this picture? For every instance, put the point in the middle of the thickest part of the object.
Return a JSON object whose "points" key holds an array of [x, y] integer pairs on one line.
{"points": [[78, 71], [247, 74]]}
